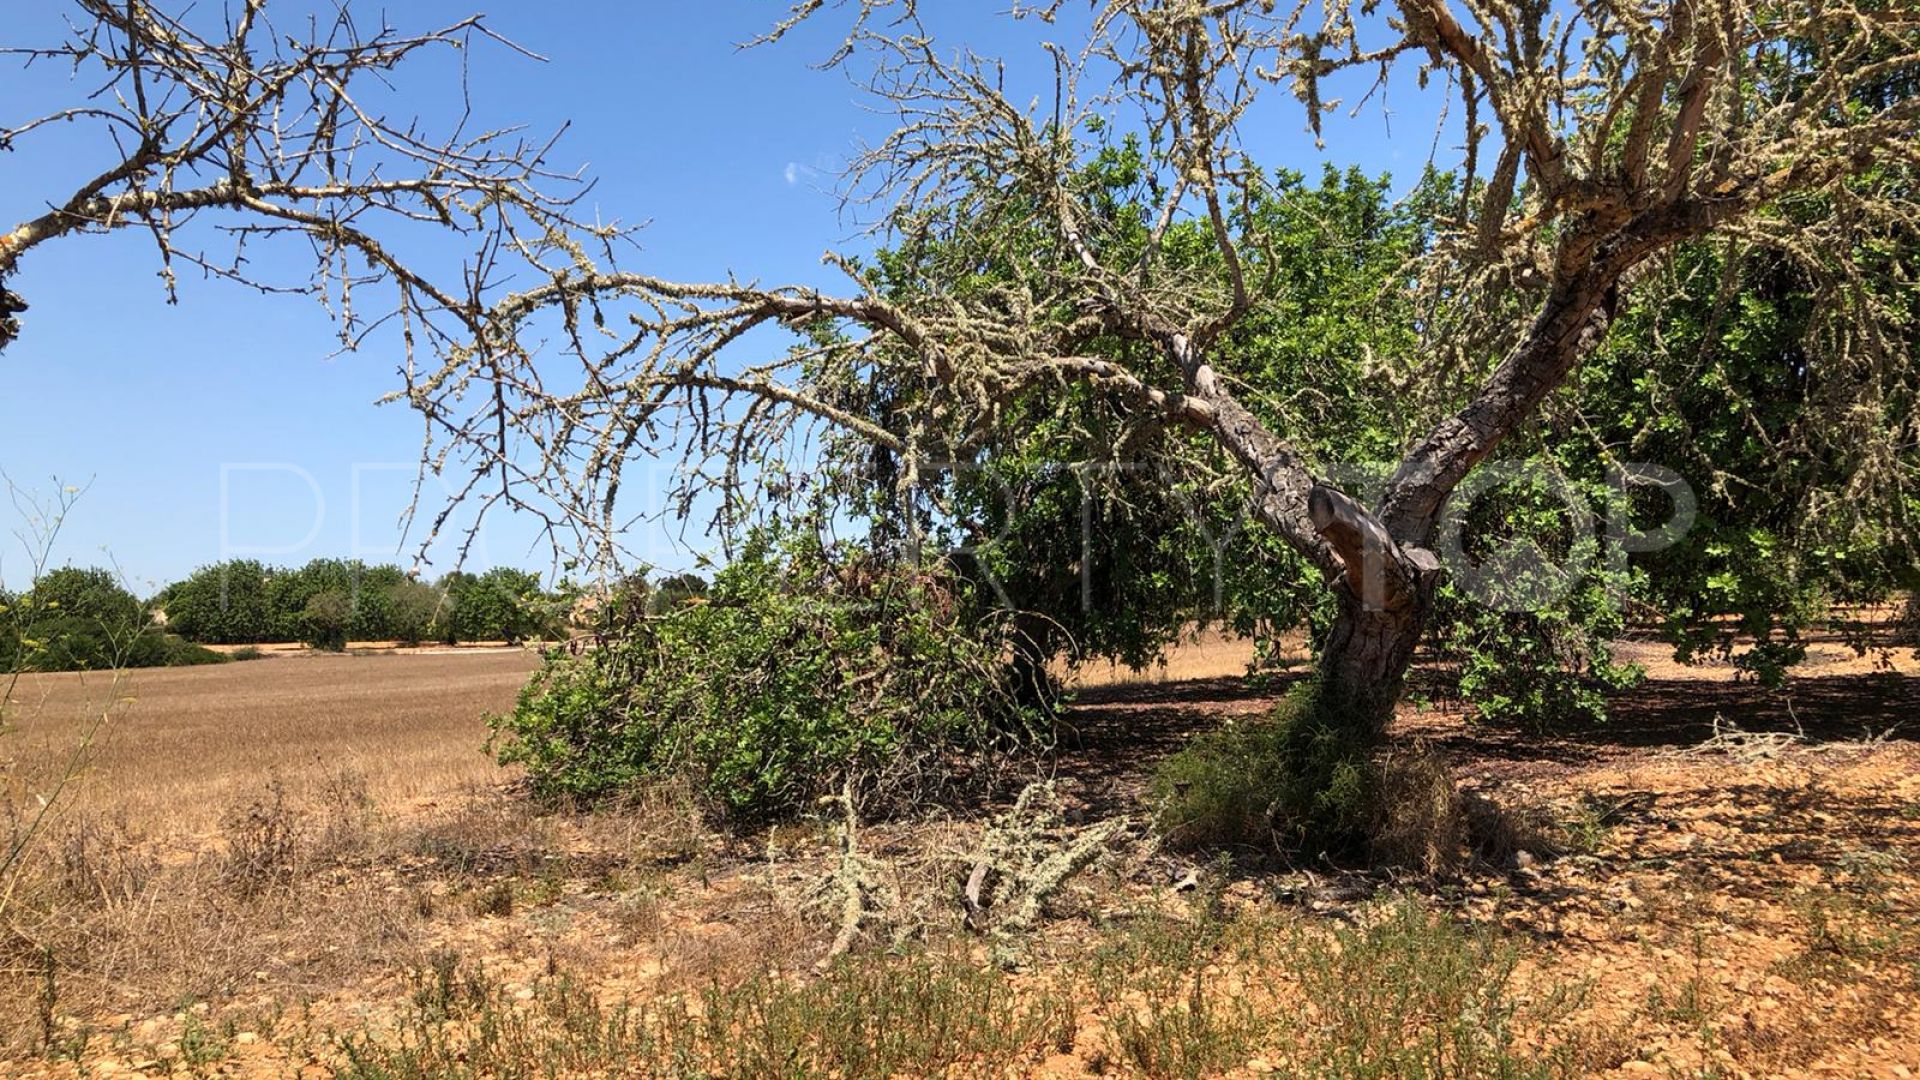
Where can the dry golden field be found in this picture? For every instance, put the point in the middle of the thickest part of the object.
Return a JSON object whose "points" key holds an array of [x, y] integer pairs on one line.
{"points": [[175, 747], [304, 866]]}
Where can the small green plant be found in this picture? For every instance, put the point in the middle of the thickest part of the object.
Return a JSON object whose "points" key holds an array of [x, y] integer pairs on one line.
{"points": [[1842, 932], [443, 990], [201, 1046], [1687, 1001], [1413, 994], [1167, 1015], [47, 1000], [1403, 993]]}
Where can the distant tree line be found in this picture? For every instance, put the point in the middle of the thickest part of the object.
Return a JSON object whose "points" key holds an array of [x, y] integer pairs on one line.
{"points": [[76, 618], [328, 602]]}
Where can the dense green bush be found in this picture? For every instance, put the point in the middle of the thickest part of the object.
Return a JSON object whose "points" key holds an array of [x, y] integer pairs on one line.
{"points": [[326, 620], [801, 670], [411, 608], [675, 591], [359, 608], [84, 620], [72, 619], [1541, 669], [1526, 628], [502, 604], [157, 649], [1537, 669], [90, 595], [242, 602]]}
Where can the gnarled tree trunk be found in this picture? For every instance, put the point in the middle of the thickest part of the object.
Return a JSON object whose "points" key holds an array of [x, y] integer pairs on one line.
{"points": [[1379, 562], [1364, 662], [1385, 593]]}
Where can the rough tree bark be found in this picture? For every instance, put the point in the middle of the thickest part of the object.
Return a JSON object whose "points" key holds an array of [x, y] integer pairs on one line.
{"points": [[1386, 591]]}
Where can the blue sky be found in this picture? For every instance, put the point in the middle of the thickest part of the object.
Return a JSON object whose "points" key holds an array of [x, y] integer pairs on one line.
{"points": [[224, 425]]}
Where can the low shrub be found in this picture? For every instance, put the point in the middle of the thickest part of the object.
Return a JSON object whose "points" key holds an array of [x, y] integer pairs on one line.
{"points": [[84, 620], [1416, 994], [412, 606], [864, 1019], [1401, 994], [1528, 640], [803, 669], [1420, 821], [154, 649], [1295, 781], [1398, 993]]}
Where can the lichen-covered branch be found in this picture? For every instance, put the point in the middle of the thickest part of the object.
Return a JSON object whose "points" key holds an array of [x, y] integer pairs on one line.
{"points": [[263, 132], [1616, 130]]}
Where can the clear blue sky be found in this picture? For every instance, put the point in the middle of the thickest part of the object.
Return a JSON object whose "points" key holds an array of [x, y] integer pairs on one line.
{"points": [[728, 155]]}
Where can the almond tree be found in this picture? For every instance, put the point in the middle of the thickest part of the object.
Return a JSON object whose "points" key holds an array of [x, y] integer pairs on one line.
{"points": [[1596, 137]]}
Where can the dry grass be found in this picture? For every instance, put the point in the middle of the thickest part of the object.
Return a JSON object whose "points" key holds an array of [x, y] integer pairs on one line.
{"points": [[224, 836]]}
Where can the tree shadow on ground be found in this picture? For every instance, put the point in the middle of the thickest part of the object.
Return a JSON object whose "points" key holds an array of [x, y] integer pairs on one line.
{"points": [[1112, 737], [1679, 713]]}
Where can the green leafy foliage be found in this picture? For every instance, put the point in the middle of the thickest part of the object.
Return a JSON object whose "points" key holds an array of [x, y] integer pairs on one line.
{"points": [[674, 592], [1110, 533], [803, 669], [1528, 622], [247, 602], [326, 619], [412, 606], [1729, 363], [1541, 669], [358, 611], [223, 604], [502, 604], [1735, 366]]}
